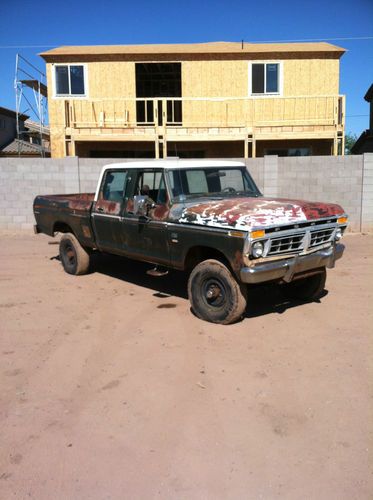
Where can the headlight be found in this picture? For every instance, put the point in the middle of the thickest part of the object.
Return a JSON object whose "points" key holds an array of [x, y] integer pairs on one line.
{"points": [[257, 249], [338, 234]]}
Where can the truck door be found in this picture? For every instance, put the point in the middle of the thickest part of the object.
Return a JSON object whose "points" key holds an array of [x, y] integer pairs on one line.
{"points": [[107, 211], [146, 229]]}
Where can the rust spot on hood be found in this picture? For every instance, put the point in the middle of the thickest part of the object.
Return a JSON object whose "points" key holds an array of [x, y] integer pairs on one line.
{"points": [[248, 213]]}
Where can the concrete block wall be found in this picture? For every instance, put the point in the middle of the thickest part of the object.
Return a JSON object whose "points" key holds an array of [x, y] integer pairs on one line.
{"points": [[22, 179], [367, 194], [257, 170], [335, 179], [89, 172], [347, 181]]}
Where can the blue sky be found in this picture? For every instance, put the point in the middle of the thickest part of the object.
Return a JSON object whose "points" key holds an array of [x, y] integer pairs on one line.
{"points": [[83, 22]]}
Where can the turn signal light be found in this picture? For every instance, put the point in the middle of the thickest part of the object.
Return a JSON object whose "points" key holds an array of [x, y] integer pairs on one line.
{"points": [[342, 220], [237, 234], [257, 234]]}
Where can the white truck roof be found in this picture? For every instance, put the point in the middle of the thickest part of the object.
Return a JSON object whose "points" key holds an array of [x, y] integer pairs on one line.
{"points": [[175, 163]]}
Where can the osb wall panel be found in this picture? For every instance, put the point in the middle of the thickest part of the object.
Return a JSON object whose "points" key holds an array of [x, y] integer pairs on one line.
{"points": [[105, 80], [113, 80], [214, 78], [56, 113], [303, 77]]}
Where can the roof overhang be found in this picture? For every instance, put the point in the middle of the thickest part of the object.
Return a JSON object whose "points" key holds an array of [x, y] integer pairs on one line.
{"points": [[211, 50], [12, 114]]}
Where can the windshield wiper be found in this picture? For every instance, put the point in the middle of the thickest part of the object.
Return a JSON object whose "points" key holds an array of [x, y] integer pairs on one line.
{"points": [[239, 193]]}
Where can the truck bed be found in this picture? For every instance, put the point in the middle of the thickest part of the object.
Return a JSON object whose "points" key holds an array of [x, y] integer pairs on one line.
{"points": [[52, 212], [80, 201]]}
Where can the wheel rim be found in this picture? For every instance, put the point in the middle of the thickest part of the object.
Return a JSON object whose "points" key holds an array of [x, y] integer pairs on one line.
{"points": [[213, 292], [70, 255]]}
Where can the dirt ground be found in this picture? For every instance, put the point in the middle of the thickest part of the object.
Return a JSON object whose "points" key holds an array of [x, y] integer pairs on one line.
{"points": [[112, 389]]}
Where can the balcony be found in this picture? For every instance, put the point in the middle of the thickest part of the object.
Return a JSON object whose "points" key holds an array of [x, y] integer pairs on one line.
{"points": [[189, 119]]}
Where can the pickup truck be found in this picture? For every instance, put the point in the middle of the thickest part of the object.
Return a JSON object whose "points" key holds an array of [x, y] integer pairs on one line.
{"points": [[204, 217]]}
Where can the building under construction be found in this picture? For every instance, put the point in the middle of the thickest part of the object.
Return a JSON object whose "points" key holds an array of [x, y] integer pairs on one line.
{"points": [[195, 100]]}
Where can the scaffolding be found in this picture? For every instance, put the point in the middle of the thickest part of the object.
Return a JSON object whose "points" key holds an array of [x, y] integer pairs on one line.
{"points": [[30, 81]]}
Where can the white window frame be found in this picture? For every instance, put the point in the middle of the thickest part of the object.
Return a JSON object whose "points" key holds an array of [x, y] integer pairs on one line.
{"points": [[71, 96], [280, 80]]}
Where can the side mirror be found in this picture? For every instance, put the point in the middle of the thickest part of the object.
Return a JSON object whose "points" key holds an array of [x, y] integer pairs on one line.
{"points": [[142, 205], [139, 205]]}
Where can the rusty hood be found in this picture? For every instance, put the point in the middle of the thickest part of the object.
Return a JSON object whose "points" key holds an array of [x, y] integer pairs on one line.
{"points": [[250, 213]]}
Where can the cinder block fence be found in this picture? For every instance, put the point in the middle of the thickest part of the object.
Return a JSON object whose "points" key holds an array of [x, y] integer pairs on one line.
{"points": [[347, 180]]}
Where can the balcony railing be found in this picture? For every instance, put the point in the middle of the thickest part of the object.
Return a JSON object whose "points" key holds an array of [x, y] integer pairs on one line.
{"points": [[205, 112]]}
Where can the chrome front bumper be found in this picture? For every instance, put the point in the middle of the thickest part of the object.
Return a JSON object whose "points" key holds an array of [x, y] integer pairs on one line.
{"points": [[286, 268]]}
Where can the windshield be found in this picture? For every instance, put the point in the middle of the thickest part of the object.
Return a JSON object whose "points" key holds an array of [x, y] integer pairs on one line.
{"points": [[211, 182]]}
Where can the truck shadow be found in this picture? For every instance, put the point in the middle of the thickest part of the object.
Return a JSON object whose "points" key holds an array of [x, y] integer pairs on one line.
{"points": [[131, 271], [262, 299], [269, 299]]}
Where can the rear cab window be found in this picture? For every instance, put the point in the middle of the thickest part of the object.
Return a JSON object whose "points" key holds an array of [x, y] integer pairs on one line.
{"points": [[113, 186], [111, 195]]}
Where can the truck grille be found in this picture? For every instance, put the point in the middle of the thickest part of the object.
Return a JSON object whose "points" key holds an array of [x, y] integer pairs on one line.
{"points": [[286, 244], [321, 236], [298, 242]]}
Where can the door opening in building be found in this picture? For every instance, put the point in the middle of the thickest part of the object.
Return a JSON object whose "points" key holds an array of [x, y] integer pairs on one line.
{"points": [[158, 86]]}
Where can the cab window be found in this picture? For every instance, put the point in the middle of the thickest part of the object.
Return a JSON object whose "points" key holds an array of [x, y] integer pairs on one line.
{"points": [[113, 186], [152, 184]]}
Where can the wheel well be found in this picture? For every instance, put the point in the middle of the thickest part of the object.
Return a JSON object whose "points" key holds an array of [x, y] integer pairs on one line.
{"points": [[62, 227], [198, 254]]}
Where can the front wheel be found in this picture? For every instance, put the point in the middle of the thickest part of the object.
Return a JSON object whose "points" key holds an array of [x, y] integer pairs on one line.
{"points": [[214, 293], [305, 289], [74, 258]]}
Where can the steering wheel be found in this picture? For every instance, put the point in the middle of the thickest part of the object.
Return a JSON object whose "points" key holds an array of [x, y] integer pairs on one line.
{"points": [[229, 189]]}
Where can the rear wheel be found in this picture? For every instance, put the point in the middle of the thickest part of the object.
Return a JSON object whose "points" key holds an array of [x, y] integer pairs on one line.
{"points": [[214, 293], [307, 288], [74, 258]]}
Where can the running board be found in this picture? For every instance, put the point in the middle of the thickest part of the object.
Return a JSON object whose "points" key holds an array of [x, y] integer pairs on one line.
{"points": [[157, 272]]}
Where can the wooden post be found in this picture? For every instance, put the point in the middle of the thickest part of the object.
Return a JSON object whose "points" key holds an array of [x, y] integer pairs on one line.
{"points": [[65, 117], [70, 147], [343, 144], [253, 148], [246, 148], [164, 147], [164, 112], [335, 145], [157, 148]]}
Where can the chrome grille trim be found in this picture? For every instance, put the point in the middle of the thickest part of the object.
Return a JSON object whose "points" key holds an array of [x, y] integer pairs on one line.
{"points": [[321, 236], [299, 241], [286, 244]]}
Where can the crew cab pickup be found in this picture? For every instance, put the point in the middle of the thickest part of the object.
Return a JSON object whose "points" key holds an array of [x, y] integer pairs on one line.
{"points": [[205, 217]]}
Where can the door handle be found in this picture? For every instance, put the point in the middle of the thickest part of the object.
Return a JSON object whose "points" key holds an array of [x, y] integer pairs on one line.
{"points": [[99, 209], [144, 219]]}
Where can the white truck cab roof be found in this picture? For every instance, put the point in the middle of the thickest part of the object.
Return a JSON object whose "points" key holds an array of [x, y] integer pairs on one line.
{"points": [[175, 163]]}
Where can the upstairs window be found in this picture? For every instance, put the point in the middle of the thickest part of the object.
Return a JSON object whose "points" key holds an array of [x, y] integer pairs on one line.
{"points": [[70, 80], [265, 78]]}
